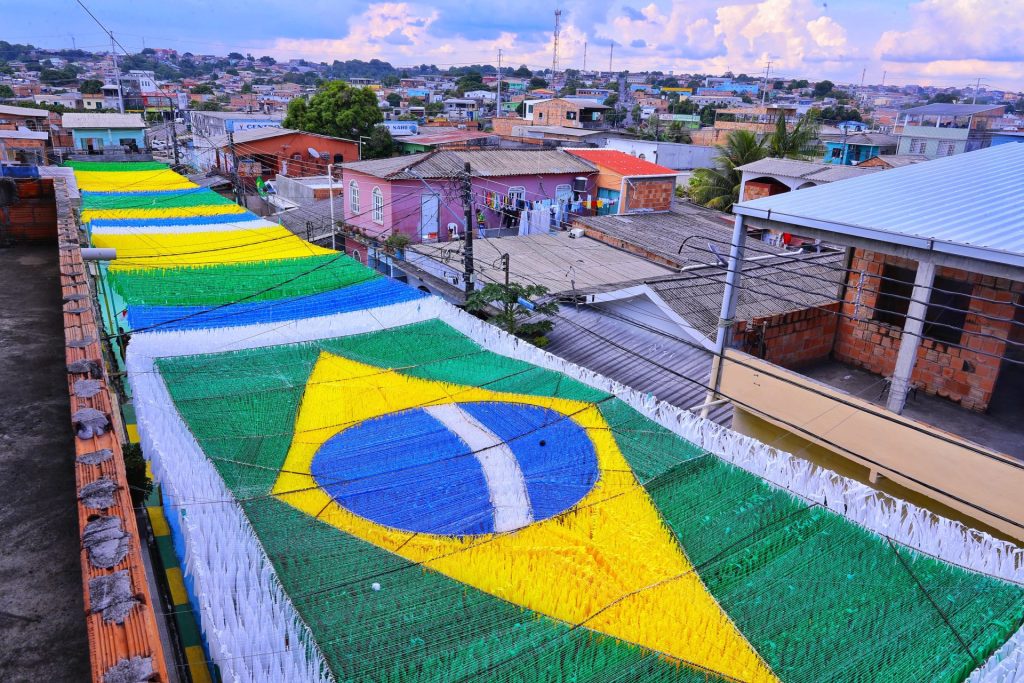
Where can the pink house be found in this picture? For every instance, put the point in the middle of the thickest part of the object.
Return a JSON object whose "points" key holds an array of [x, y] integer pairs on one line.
{"points": [[420, 195]]}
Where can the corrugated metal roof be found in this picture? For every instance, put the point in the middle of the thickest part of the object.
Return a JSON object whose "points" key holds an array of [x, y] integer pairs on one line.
{"points": [[22, 111], [969, 204], [769, 287], [102, 121], [807, 170], [484, 163], [24, 135], [864, 138], [635, 357], [898, 160], [941, 109], [620, 162]]}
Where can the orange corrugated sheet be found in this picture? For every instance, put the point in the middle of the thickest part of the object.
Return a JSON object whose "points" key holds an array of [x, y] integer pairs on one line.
{"points": [[137, 636]]}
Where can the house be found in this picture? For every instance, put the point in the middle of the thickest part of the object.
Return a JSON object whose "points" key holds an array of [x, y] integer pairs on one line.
{"points": [[267, 152], [209, 127], [431, 138], [96, 133], [23, 147], [942, 130], [569, 113], [418, 195], [674, 155], [853, 148], [13, 118], [458, 109], [892, 160], [922, 390], [771, 176], [626, 184]]}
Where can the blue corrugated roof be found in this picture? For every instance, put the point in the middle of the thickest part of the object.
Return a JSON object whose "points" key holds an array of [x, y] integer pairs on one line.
{"points": [[969, 204]]}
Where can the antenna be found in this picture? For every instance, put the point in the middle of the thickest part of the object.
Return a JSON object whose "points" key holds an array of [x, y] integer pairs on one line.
{"points": [[764, 87], [554, 57], [584, 55], [611, 49], [862, 75]]}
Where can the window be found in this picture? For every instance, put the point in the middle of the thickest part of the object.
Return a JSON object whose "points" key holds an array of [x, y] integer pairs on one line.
{"points": [[570, 115], [339, 158], [837, 152], [947, 307], [947, 148], [353, 197], [516, 194], [378, 206], [917, 145]]}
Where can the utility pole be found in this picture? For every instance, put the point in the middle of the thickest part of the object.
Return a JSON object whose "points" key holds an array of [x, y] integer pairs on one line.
{"points": [[497, 104], [467, 252], [505, 264], [883, 78], [764, 86], [239, 189], [862, 75], [976, 87], [330, 194], [611, 50], [174, 131], [117, 75], [584, 55]]}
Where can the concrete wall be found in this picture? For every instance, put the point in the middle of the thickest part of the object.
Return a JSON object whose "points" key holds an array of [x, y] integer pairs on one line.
{"points": [[964, 373], [911, 454], [674, 155], [111, 137]]}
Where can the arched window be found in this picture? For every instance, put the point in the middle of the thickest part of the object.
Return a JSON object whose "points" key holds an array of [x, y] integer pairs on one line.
{"points": [[378, 206], [353, 197]]}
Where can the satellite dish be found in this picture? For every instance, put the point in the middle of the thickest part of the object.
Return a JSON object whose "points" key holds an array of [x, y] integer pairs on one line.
{"points": [[313, 153]]}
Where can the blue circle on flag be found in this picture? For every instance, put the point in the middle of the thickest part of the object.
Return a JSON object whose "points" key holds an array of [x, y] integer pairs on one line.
{"points": [[459, 469]]}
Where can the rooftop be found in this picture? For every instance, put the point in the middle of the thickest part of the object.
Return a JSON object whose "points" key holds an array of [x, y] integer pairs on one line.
{"points": [[940, 109], [556, 261], [231, 115], [807, 170], [912, 206], [864, 138], [898, 160], [484, 163], [563, 130], [22, 111], [622, 163], [445, 136], [23, 135], [74, 120]]}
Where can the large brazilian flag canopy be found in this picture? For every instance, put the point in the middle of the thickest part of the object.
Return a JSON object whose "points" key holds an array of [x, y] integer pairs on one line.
{"points": [[436, 511]]}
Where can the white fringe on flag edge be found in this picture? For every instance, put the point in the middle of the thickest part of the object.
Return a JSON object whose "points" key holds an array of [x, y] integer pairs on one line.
{"points": [[903, 522]]}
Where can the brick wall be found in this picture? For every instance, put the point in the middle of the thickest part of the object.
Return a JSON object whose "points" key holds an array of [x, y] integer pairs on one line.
{"points": [[965, 373], [654, 194], [34, 216], [793, 339]]}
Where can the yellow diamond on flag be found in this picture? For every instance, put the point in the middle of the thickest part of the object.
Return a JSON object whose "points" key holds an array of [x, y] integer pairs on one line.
{"points": [[525, 497]]}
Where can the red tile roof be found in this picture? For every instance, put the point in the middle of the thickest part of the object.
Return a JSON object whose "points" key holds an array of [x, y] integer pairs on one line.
{"points": [[620, 162]]}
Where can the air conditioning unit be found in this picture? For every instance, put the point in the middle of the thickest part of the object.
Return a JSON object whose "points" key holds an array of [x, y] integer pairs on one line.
{"points": [[576, 232]]}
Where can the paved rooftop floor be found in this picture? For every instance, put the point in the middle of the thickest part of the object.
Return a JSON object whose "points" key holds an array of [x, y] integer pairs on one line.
{"points": [[42, 623], [1001, 428]]}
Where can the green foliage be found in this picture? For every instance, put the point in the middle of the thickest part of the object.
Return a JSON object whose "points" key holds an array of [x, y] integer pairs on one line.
{"points": [[202, 89], [434, 108], [246, 88], [683, 106], [512, 315], [357, 68], [5, 91], [380, 145], [397, 241], [69, 74], [823, 88], [799, 84], [394, 99], [266, 60], [337, 109], [15, 52], [800, 142], [676, 133], [522, 72], [234, 55], [91, 86], [139, 484], [837, 114], [719, 187], [945, 97], [537, 82], [211, 105]]}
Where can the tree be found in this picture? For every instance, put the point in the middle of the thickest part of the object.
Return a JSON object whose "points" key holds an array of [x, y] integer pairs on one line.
{"points": [[799, 84], [823, 88], [202, 89], [211, 105], [337, 109], [91, 86], [148, 51], [246, 88], [944, 97], [837, 114], [394, 99], [380, 145], [512, 314], [6, 91], [235, 56], [266, 60], [676, 133], [795, 143], [522, 72], [537, 82], [719, 187], [612, 100]]}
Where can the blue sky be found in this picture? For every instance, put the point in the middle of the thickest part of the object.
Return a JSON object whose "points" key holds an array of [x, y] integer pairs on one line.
{"points": [[943, 42]]}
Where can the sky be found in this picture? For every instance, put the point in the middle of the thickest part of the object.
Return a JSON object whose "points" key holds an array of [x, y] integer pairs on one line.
{"points": [[948, 43]]}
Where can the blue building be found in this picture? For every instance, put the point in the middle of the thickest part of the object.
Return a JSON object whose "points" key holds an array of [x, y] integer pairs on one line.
{"points": [[1002, 137], [852, 148], [97, 132]]}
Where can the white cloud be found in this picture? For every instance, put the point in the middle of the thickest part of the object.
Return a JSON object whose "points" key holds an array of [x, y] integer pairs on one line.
{"points": [[957, 30]]}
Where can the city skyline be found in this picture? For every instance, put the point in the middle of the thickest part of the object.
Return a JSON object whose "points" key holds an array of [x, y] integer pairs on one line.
{"points": [[924, 43]]}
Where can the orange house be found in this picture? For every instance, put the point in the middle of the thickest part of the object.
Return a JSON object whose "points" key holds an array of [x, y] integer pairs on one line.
{"points": [[627, 184]]}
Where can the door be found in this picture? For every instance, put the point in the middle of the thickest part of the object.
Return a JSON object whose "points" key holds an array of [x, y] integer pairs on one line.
{"points": [[430, 208]]}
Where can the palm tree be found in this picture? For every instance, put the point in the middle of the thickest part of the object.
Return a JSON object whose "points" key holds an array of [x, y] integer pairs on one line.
{"points": [[798, 143], [719, 187]]}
